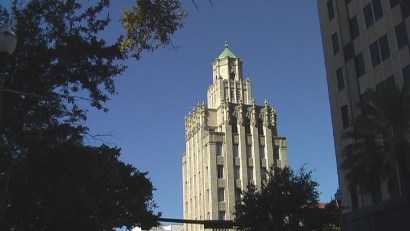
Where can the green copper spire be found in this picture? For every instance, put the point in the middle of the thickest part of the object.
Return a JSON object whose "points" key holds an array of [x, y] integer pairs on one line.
{"points": [[227, 53]]}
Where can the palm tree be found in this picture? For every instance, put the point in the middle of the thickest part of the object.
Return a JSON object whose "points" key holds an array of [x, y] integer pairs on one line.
{"points": [[379, 148]]}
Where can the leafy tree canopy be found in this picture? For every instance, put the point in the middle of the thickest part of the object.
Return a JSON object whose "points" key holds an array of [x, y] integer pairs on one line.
{"points": [[379, 148], [60, 67], [287, 201], [75, 187]]}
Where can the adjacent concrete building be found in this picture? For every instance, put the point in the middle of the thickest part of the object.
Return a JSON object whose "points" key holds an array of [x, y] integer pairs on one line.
{"points": [[366, 47], [230, 142]]}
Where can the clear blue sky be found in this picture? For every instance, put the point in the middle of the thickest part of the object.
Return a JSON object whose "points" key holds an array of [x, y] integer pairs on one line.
{"points": [[278, 41]]}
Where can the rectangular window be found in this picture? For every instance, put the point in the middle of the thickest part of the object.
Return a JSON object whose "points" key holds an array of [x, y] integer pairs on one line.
{"points": [[348, 51], [235, 150], [247, 126], [394, 3], [330, 9], [248, 151], [221, 194], [384, 47], [401, 35], [250, 173], [354, 27], [219, 149], [360, 67], [380, 50], [221, 215], [335, 43], [234, 125], [345, 116], [220, 169], [340, 79], [262, 152], [276, 153], [377, 9], [237, 172], [237, 195], [368, 15], [375, 53], [405, 8], [260, 127]]}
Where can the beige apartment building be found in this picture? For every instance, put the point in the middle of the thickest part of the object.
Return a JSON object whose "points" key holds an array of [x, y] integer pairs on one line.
{"points": [[230, 142], [366, 46]]}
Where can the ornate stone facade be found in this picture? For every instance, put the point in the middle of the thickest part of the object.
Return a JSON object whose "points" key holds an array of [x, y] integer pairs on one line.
{"points": [[230, 142]]}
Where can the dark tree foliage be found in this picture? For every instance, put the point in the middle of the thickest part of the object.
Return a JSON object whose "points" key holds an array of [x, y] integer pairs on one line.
{"points": [[150, 23], [76, 187], [60, 67], [288, 201], [379, 148]]}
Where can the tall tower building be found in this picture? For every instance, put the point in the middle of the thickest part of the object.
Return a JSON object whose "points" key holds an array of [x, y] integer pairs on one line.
{"points": [[230, 142], [366, 46]]}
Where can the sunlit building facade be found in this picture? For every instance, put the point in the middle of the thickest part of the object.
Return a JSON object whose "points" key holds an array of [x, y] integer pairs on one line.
{"points": [[366, 47], [230, 142]]}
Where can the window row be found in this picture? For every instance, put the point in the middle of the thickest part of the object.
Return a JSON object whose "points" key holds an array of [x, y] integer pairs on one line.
{"points": [[380, 50], [236, 172], [389, 82], [235, 150], [247, 125], [373, 12]]}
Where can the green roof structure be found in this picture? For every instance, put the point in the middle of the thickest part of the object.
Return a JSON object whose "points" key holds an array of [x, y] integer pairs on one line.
{"points": [[227, 53]]}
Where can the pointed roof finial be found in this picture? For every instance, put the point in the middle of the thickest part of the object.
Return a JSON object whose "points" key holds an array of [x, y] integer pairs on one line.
{"points": [[227, 52]]}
